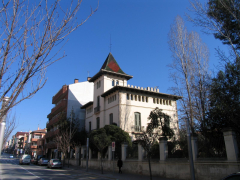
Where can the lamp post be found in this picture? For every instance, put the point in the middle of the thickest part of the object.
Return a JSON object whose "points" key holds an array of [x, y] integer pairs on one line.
{"points": [[3, 123]]}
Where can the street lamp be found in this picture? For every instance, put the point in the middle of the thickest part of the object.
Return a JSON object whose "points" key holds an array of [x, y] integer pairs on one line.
{"points": [[3, 123]]}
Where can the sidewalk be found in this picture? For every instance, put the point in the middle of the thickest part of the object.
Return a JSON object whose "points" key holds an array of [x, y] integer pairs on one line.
{"points": [[113, 175]]}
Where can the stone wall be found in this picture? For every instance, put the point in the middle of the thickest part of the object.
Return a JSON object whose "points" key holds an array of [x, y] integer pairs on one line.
{"points": [[177, 169]]}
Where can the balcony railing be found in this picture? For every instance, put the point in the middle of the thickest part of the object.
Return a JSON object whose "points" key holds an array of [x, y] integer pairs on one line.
{"points": [[33, 146], [58, 108], [59, 94], [137, 128], [97, 109]]}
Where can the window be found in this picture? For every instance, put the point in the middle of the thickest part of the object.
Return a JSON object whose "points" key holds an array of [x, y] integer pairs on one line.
{"points": [[117, 82], [137, 116], [98, 84], [154, 100], [157, 101], [113, 83], [37, 136], [146, 99], [131, 97], [139, 98], [90, 126], [98, 122], [160, 101], [111, 118], [135, 97], [142, 98], [98, 101], [127, 96]]}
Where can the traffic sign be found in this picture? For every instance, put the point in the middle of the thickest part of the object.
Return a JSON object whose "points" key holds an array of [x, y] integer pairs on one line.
{"points": [[113, 146]]}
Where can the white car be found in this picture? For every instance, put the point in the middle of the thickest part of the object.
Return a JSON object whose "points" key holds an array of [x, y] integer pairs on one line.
{"points": [[25, 159]]}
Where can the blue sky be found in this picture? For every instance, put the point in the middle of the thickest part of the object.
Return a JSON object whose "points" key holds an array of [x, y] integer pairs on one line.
{"points": [[139, 37]]}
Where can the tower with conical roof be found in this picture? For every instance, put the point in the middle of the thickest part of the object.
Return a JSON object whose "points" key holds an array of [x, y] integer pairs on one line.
{"points": [[109, 75]]}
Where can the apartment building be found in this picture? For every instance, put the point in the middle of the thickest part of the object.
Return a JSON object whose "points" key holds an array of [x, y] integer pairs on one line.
{"points": [[69, 99]]}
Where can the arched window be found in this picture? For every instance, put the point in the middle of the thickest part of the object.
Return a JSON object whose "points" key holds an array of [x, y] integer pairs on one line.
{"points": [[113, 83], [137, 117], [127, 96]]}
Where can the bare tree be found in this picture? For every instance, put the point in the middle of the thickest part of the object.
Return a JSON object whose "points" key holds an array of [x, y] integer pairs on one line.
{"points": [[11, 124], [30, 33], [221, 18], [64, 141], [189, 71]]}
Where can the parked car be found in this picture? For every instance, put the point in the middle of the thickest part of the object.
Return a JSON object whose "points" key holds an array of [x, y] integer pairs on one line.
{"points": [[34, 160], [43, 161], [234, 176], [54, 163], [37, 158], [25, 159]]}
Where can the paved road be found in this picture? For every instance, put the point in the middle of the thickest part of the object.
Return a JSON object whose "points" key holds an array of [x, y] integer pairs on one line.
{"points": [[11, 170]]}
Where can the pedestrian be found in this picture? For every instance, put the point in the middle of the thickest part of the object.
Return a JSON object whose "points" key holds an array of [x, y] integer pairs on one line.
{"points": [[120, 164]]}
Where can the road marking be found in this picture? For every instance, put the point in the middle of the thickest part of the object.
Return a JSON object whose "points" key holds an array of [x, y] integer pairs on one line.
{"points": [[31, 173]]}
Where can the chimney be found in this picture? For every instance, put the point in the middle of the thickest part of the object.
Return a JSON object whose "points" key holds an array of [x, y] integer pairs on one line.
{"points": [[75, 80], [88, 78]]}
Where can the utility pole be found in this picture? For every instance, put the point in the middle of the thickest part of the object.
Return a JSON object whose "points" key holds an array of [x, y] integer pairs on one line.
{"points": [[3, 123]]}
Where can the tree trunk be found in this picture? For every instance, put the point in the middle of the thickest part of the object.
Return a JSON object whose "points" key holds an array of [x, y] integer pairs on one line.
{"points": [[150, 170]]}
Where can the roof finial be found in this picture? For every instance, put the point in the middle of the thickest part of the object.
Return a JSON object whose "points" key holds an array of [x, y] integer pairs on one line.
{"points": [[110, 43]]}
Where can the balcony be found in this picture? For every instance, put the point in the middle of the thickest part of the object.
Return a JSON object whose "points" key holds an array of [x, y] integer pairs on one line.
{"points": [[137, 128], [61, 93], [34, 139], [52, 122], [33, 146], [51, 134], [58, 108], [96, 109]]}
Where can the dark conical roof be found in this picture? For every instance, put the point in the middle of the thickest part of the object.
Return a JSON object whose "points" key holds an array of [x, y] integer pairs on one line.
{"points": [[111, 64]]}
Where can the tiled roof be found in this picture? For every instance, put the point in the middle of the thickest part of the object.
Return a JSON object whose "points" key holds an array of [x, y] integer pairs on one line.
{"points": [[111, 64]]}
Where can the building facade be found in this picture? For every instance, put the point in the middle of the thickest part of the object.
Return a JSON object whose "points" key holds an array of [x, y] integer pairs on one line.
{"points": [[115, 101], [67, 101], [35, 147]]}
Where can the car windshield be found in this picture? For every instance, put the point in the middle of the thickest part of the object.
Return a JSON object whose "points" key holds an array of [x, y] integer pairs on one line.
{"points": [[56, 160], [27, 157]]}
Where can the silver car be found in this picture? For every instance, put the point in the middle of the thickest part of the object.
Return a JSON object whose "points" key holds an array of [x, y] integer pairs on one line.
{"points": [[54, 163], [25, 159], [43, 161]]}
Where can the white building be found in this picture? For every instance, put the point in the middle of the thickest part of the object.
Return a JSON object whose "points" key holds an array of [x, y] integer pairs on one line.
{"points": [[114, 101]]}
